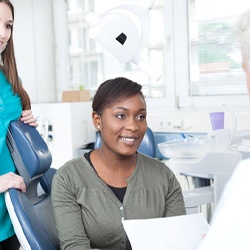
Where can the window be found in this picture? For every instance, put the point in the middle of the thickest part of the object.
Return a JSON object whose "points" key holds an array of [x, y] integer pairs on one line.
{"points": [[215, 61], [211, 61], [193, 47], [90, 65]]}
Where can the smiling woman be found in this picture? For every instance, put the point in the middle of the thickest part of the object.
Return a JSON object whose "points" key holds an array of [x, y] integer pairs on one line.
{"points": [[93, 193], [119, 108]]}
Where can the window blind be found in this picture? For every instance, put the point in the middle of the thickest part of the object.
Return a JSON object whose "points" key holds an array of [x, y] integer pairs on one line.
{"points": [[214, 54]]}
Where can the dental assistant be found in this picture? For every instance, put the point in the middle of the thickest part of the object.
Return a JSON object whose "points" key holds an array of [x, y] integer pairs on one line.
{"points": [[14, 105]]}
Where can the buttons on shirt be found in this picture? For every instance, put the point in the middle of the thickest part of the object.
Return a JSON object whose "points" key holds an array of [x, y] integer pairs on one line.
{"points": [[122, 213]]}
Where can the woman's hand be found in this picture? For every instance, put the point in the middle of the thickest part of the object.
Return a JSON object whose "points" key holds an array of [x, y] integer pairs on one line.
{"points": [[28, 118], [11, 180]]}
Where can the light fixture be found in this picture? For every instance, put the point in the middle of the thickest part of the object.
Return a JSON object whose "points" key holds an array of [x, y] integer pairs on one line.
{"points": [[123, 31]]}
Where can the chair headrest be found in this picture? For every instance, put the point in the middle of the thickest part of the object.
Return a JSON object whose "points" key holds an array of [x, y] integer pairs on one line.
{"points": [[29, 151]]}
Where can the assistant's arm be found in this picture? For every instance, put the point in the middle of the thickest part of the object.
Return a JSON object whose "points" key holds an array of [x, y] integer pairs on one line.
{"points": [[11, 180], [28, 117]]}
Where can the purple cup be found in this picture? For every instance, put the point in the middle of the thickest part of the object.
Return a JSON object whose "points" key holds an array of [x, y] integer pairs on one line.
{"points": [[217, 120]]}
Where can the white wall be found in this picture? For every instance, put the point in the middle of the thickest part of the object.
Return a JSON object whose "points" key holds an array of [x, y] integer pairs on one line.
{"points": [[61, 47], [37, 46]]}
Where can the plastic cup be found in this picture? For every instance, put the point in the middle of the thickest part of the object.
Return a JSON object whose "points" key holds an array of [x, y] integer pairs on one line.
{"points": [[217, 120]]}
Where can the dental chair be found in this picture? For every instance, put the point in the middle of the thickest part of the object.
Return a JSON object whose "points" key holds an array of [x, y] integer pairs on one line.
{"points": [[31, 212], [147, 146]]}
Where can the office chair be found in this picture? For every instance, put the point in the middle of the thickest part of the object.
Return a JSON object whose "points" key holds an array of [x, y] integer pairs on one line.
{"points": [[147, 146], [31, 212]]}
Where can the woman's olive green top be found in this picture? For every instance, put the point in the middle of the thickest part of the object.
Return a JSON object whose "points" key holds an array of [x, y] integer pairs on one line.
{"points": [[88, 214]]}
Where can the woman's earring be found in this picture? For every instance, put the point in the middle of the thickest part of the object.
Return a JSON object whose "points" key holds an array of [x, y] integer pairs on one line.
{"points": [[98, 127]]}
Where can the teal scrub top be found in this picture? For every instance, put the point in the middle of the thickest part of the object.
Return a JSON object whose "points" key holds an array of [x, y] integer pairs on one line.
{"points": [[10, 109]]}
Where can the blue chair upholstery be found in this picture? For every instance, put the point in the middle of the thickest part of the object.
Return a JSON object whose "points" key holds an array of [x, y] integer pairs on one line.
{"points": [[31, 212], [147, 146]]}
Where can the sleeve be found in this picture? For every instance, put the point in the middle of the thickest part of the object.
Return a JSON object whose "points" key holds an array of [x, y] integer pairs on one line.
{"points": [[68, 218], [174, 199]]}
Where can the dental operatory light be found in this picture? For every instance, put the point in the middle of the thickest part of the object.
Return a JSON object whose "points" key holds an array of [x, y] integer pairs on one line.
{"points": [[123, 31]]}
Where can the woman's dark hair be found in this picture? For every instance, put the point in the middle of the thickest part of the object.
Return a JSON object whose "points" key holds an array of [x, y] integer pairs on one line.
{"points": [[114, 90], [9, 66]]}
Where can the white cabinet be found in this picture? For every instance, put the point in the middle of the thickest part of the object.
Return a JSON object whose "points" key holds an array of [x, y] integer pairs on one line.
{"points": [[71, 125]]}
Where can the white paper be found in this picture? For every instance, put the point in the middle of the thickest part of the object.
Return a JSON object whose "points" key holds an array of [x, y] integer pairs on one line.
{"points": [[171, 233]]}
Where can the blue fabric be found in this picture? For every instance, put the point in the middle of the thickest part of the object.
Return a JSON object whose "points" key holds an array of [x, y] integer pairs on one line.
{"points": [[10, 109]]}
